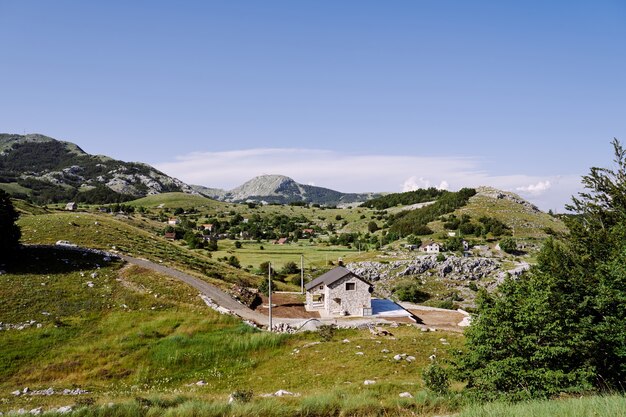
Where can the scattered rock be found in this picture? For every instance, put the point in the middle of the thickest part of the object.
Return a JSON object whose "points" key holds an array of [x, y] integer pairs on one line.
{"points": [[384, 351], [360, 353], [406, 395], [346, 341], [17, 393], [410, 358], [65, 409], [283, 328], [369, 382], [201, 383], [282, 393]]}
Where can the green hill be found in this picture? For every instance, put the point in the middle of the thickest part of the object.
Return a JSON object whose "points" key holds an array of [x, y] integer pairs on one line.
{"points": [[106, 232], [142, 340]]}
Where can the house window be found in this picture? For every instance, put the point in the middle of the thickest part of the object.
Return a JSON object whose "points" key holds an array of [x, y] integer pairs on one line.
{"points": [[350, 286], [321, 287]]}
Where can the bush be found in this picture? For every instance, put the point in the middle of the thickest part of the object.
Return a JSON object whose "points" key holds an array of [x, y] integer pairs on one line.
{"points": [[290, 268], [508, 245], [436, 378], [441, 257], [233, 261], [447, 304], [326, 332], [238, 244], [242, 396], [264, 287]]}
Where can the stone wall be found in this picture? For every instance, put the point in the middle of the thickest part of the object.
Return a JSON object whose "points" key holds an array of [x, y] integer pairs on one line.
{"points": [[350, 301]]}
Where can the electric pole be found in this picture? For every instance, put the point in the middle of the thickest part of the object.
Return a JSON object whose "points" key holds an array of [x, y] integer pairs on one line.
{"points": [[301, 274], [269, 293]]}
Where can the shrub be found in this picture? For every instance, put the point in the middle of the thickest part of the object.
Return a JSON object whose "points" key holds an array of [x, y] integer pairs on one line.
{"points": [[326, 332], [238, 244], [233, 261], [242, 396], [508, 245], [436, 378], [264, 287]]}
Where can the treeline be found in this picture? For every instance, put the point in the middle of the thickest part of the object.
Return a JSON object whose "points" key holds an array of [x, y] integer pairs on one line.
{"points": [[415, 222], [422, 195]]}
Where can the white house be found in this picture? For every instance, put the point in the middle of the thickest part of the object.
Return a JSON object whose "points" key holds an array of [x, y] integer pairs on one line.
{"points": [[430, 247], [339, 292], [173, 221]]}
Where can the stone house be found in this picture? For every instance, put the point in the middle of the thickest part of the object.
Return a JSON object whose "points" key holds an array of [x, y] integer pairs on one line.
{"points": [[431, 247], [173, 221], [339, 292]]}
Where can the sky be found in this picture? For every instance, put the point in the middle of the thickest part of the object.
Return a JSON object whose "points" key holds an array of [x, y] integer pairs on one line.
{"points": [[353, 95]]}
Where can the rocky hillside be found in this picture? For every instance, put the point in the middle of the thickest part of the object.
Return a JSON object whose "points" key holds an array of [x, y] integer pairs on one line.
{"points": [[453, 274], [283, 190], [46, 170]]}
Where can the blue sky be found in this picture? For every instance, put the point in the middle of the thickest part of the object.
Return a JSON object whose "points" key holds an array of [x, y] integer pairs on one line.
{"points": [[381, 96]]}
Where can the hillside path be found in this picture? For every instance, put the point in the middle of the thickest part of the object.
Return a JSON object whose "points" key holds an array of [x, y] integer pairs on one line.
{"points": [[218, 296]]}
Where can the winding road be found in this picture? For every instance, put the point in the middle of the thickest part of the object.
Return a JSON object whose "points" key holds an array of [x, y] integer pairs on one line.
{"points": [[218, 296]]}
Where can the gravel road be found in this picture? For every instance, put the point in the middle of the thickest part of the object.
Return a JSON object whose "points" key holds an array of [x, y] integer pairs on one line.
{"points": [[218, 296]]}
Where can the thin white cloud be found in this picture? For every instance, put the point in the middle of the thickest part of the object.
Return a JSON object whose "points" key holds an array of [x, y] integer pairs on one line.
{"points": [[363, 173]]}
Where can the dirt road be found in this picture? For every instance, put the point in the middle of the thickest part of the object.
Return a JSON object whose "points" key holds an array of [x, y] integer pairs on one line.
{"points": [[218, 296]]}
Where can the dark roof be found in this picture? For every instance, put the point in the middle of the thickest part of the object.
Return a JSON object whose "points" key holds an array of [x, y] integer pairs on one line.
{"points": [[331, 276]]}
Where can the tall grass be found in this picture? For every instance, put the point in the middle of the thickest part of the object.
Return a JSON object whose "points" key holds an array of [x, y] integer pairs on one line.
{"points": [[600, 406], [337, 403]]}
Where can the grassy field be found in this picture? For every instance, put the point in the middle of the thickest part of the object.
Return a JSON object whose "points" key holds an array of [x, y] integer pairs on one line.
{"points": [[315, 256], [600, 406], [130, 333]]}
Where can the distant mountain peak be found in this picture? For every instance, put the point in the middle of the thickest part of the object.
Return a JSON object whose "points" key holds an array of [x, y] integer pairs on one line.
{"points": [[273, 188]]}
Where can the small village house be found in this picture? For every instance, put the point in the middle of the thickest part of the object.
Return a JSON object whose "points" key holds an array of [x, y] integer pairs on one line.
{"points": [[339, 292], [173, 221], [281, 241], [170, 235], [430, 247]]}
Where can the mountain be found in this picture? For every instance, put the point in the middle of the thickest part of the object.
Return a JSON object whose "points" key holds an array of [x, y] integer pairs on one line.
{"points": [[46, 170], [283, 190]]}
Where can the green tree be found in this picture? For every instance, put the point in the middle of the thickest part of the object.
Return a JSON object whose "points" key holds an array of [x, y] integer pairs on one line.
{"points": [[9, 232], [290, 268], [560, 327], [372, 226]]}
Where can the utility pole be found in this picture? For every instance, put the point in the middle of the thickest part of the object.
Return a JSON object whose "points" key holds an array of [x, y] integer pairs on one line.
{"points": [[301, 274], [269, 293]]}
